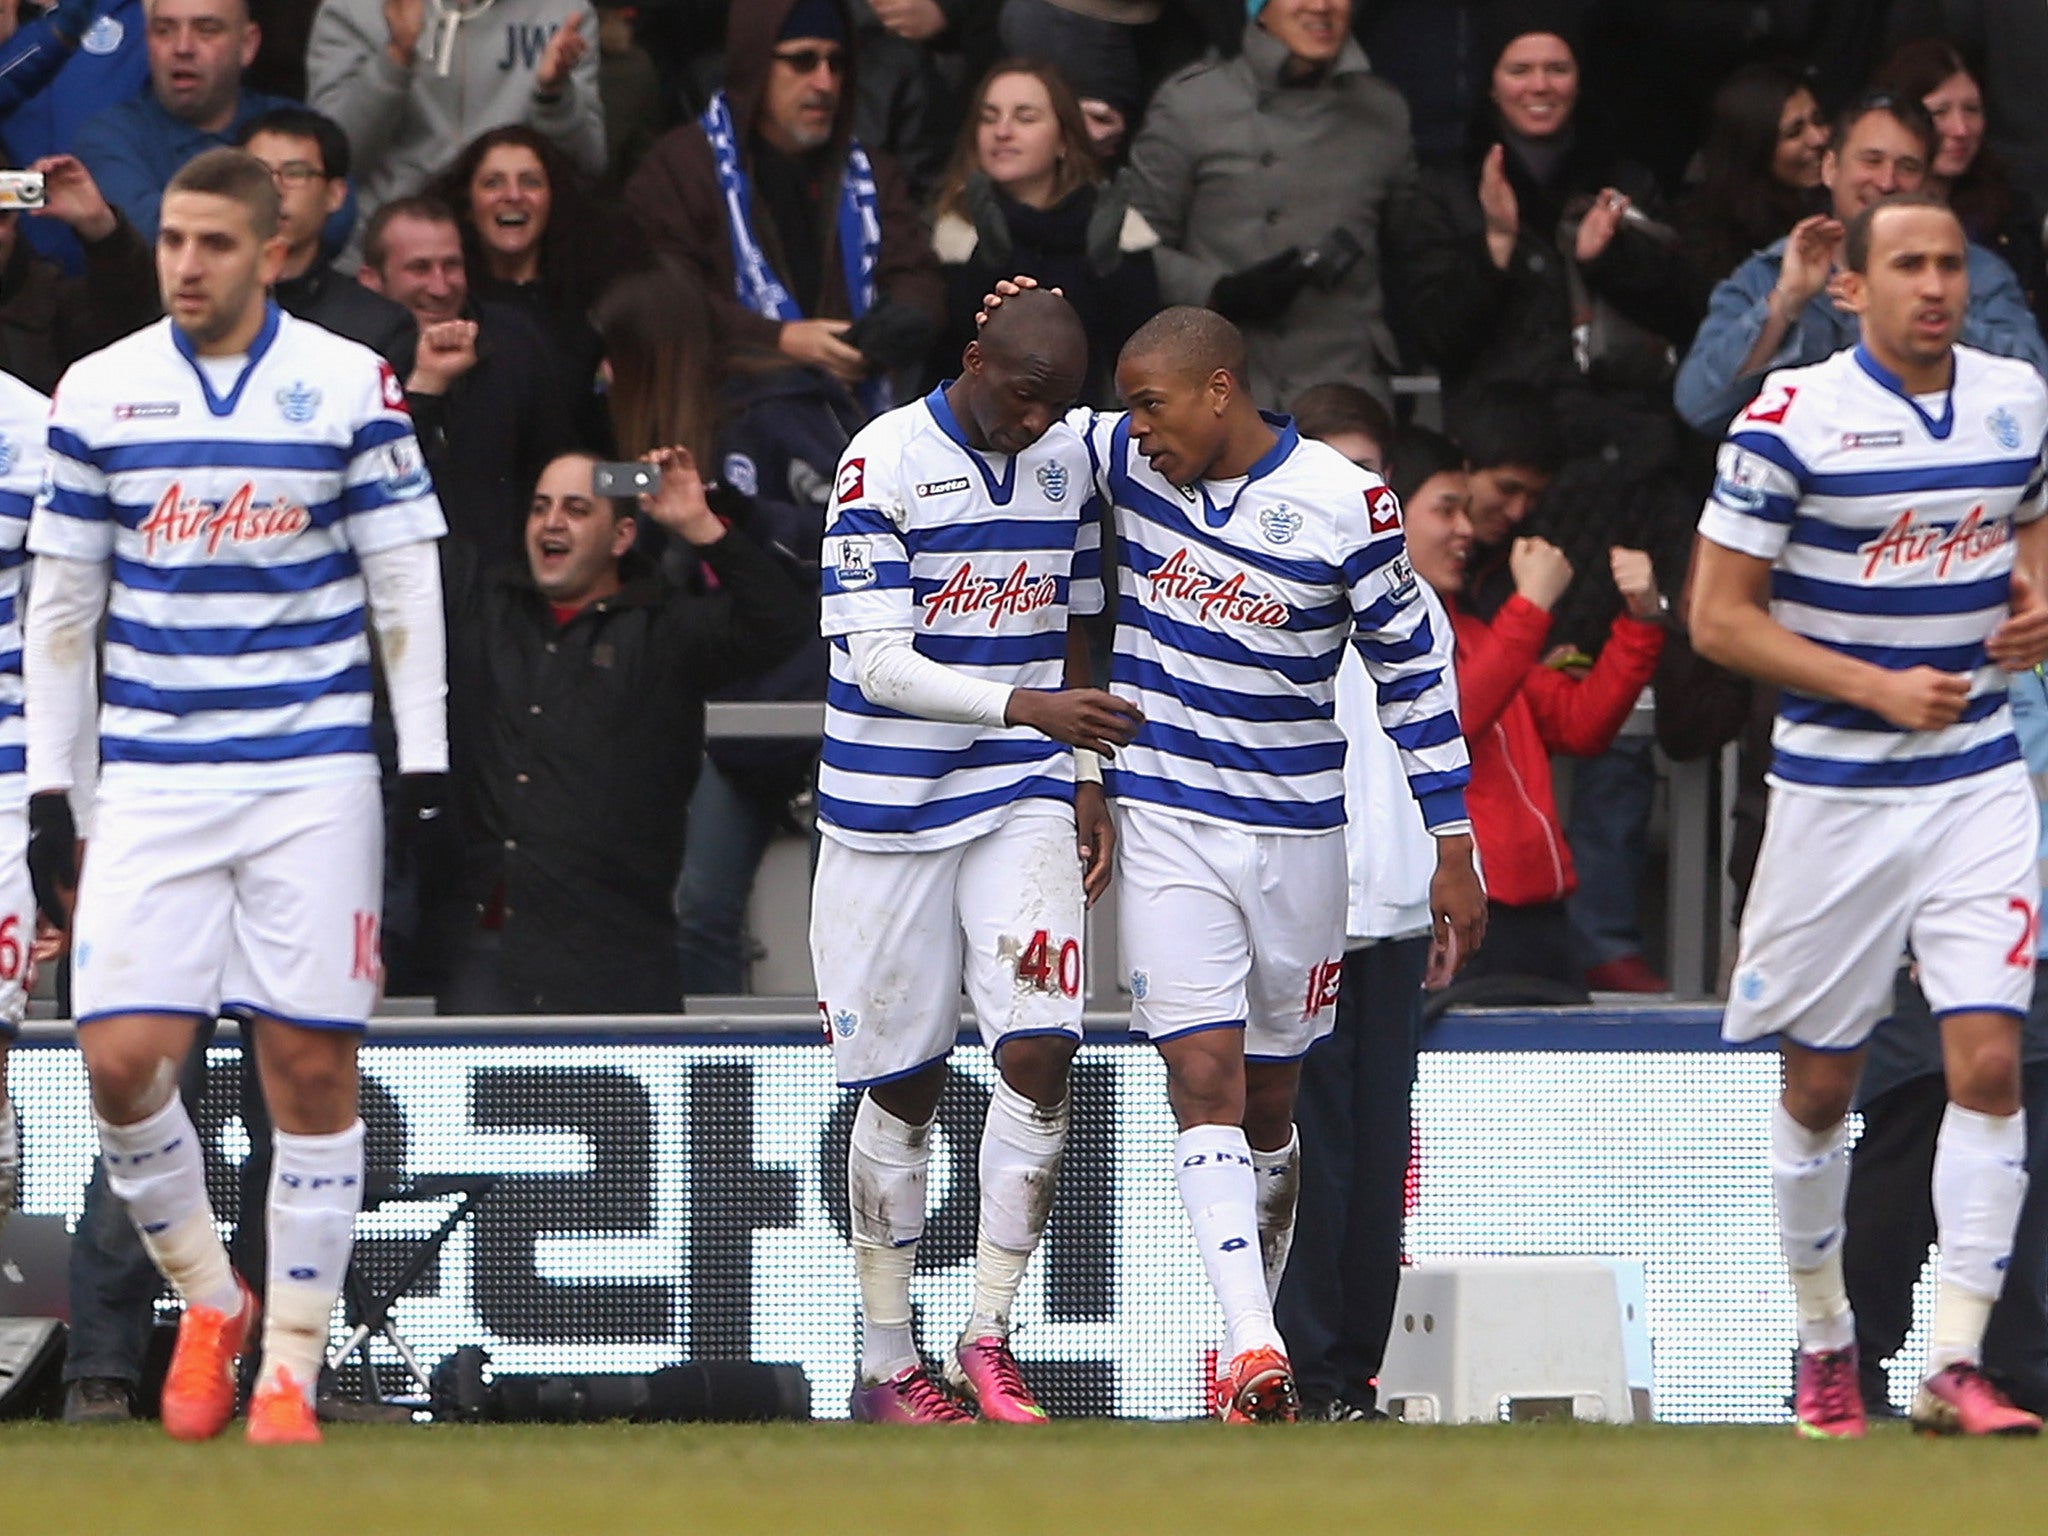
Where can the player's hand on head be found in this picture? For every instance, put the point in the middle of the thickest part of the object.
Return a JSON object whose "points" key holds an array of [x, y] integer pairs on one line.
{"points": [[1540, 571], [1007, 288], [1080, 717], [2021, 639], [1094, 839], [1921, 698]]}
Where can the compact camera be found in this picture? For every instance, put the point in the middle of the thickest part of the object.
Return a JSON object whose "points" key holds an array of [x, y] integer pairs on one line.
{"points": [[21, 189]]}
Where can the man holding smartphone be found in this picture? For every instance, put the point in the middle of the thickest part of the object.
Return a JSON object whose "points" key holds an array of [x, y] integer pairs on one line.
{"points": [[576, 727]]}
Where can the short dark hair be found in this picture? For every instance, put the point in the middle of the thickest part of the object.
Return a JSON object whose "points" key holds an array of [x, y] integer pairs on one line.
{"points": [[296, 122], [1856, 240], [234, 174], [1901, 108], [1506, 421], [428, 210], [1418, 456], [1198, 340], [1324, 410]]}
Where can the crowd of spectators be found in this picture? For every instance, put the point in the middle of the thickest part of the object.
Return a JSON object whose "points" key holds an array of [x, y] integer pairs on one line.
{"points": [[743, 227]]}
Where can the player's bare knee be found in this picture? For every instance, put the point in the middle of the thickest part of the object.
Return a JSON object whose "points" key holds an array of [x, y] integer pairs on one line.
{"points": [[913, 1099], [130, 1085], [1987, 1078], [1037, 1066], [1205, 1088]]}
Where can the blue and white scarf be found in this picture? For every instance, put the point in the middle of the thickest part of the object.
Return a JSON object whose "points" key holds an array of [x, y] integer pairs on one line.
{"points": [[860, 225]]}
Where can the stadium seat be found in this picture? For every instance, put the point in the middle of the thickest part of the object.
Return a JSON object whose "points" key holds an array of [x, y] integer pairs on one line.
{"points": [[1481, 1340]]}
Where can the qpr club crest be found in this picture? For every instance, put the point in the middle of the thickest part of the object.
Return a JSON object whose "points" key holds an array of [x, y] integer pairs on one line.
{"points": [[1279, 523], [2004, 429], [845, 1024], [1052, 479], [297, 402], [103, 37]]}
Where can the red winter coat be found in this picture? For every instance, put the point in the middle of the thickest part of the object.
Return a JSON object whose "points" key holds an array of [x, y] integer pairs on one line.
{"points": [[1516, 713]]}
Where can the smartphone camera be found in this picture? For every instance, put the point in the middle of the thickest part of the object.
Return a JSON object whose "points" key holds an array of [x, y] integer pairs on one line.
{"points": [[622, 480]]}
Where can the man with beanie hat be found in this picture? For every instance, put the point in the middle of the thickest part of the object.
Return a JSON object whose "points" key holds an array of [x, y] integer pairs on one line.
{"points": [[1267, 177], [807, 243]]}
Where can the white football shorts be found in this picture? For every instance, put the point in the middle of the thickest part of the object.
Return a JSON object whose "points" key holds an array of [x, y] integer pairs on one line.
{"points": [[17, 921], [1844, 889], [1223, 927], [894, 934], [241, 903]]}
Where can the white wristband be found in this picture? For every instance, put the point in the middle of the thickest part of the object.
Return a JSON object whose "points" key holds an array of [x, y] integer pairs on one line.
{"points": [[1087, 766]]}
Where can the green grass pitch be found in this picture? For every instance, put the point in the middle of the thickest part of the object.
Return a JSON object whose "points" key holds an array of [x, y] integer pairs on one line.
{"points": [[1188, 1479]]}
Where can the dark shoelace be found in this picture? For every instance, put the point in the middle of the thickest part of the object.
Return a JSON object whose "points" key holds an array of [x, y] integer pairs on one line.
{"points": [[1008, 1377], [1837, 1388], [925, 1397]]}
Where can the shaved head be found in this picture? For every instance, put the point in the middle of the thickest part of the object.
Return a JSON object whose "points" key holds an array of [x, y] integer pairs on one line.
{"points": [[1191, 342], [1036, 327], [1022, 371]]}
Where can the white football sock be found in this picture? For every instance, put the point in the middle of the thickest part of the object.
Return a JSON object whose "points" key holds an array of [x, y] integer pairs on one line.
{"points": [[316, 1189], [1021, 1146], [886, 1165], [10, 1157], [1213, 1168], [1980, 1181], [154, 1167], [1279, 1175], [1810, 1175]]}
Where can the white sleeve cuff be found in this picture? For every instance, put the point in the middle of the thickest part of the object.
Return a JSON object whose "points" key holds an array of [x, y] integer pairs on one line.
{"points": [[404, 587], [59, 653], [894, 675]]}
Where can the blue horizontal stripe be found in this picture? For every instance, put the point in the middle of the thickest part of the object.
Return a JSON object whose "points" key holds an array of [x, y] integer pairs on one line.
{"points": [[1440, 804], [376, 432], [1403, 690], [130, 694], [233, 641], [1850, 538], [862, 522], [922, 587], [217, 453], [1772, 508], [1053, 536], [352, 739], [1223, 645], [1894, 773], [890, 576], [17, 504], [63, 440], [1398, 650], [88, 507], [1766, 446], [1431, 731], [1290, 761], [1844, 597], [1802, 709], [1376, 556], [1994, 474], [1133, 673], [1291, 816], [857, 816], [304, 576], [10, 661], [1150, 507], [931, 763], [1903, 658], [13, 759], [10, 558], [993, 650]]}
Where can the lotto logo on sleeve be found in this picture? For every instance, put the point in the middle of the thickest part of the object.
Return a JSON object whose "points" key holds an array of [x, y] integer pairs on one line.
{"points": [[853, 479], [1771, 405], [388, 386], [1383, 510]]}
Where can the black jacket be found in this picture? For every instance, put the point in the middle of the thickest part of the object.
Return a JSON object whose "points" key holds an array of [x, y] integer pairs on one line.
{"points": [[490, 436], [344, 306], [575, 748], [49, 320]]}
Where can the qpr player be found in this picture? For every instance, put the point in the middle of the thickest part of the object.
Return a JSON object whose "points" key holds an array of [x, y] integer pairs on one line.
{"points": [[241, 494], [1249, 558], [1874, 546], [956, 841]]}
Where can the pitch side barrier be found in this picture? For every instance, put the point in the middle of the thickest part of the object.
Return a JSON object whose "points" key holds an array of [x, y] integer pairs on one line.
{"points": [[673, 1188]]}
